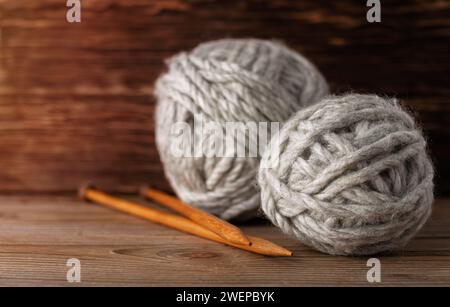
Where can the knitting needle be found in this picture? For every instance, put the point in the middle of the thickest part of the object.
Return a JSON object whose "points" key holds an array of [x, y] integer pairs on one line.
{"points": [[220, 227], [259, 245]]}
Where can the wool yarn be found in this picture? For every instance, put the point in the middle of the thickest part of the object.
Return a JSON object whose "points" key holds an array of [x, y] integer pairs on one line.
{"points": [[229, 80], [353, 177]]}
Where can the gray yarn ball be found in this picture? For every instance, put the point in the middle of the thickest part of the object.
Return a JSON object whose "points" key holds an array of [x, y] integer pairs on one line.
{"points": [[231, 80], [353, 178]]}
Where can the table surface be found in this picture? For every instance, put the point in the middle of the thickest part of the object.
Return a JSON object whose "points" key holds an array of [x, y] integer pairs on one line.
{"points": [[38, 234]]}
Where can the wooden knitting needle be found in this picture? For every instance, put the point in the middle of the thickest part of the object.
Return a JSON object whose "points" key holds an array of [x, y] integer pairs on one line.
{"points": [[220, 227], [259, 245]]}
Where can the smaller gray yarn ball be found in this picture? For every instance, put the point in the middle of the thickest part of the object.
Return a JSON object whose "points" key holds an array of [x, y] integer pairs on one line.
{"points": [[229, 80], [353, 178]]}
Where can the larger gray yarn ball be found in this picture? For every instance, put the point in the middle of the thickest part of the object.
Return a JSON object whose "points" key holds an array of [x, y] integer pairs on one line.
{"points": [[353, 176], [231, 80]]}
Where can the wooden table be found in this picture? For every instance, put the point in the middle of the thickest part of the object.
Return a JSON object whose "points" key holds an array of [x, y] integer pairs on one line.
{"points": [[38, 234]]}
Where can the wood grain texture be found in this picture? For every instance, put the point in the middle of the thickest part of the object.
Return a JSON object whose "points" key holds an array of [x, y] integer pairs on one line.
{"points": [[39, 234], [75, 101]]}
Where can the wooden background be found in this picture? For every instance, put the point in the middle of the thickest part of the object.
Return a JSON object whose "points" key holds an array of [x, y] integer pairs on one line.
{"points": [[75, 99]]}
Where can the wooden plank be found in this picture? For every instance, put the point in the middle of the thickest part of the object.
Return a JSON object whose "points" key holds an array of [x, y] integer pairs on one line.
{"points": [[39, 234], [75, 101]]}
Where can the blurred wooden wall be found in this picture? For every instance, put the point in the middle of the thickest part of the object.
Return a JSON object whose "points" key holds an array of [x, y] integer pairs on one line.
{"points": [[75, 99]]}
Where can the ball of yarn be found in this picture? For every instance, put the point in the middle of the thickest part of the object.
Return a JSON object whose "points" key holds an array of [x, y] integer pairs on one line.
{"points": [[353, 176], [230, 80]]}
